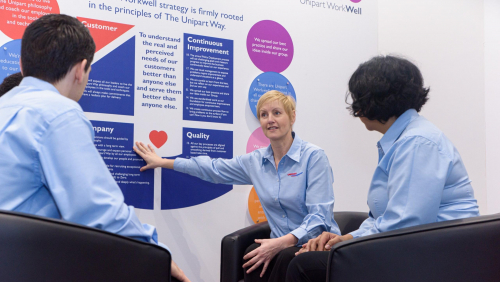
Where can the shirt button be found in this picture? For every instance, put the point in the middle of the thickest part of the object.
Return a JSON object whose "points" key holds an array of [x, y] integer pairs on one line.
{"points": [[275, 199], [277, 180], [283, 216]]}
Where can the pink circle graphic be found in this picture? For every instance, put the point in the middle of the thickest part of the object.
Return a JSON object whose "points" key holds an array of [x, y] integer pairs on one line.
{"points": [[257, 140], [269, 46], [355, 1]]}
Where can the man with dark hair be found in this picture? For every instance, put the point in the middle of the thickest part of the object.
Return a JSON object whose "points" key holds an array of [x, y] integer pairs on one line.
{"points": [[53, 46], [10, 82], [420, 177], [49, 164]]}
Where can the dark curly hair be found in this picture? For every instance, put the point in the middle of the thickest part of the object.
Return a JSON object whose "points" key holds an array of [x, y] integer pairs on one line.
{"points": [[386, 86], [10, 82]]}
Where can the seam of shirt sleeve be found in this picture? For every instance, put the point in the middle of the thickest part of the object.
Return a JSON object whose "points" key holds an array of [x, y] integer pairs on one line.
{"points": [[51, 121], [417, 137]]}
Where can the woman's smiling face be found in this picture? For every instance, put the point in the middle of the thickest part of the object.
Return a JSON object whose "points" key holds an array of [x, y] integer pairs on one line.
{"points": [[274, 120]]}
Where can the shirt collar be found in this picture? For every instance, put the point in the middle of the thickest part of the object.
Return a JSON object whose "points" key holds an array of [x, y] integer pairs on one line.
{"points": [[293, 153], [30, 81], [396, 129]]}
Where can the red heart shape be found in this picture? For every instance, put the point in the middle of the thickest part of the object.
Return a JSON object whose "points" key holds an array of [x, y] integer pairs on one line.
{"points": [[158, 138]]}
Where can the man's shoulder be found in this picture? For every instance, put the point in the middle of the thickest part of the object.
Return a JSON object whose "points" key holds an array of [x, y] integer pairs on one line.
{"points": [[46, 104]]}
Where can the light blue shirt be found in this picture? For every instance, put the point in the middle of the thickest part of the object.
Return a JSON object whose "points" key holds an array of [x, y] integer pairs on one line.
{"points": [[297, 198], [50, 167], [420, 178]]}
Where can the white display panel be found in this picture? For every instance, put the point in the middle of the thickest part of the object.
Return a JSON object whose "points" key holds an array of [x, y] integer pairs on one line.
{"points": [[139, 91]]}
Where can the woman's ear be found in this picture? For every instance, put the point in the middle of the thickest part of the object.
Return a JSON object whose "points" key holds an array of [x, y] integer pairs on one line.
{"points": [[292, 121], [21, 66]]}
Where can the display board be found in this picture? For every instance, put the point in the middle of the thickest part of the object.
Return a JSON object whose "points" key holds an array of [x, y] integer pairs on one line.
{"points": [[185, 76]]}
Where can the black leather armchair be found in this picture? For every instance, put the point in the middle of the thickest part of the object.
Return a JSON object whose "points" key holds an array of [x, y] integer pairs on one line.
{"points": [[34, 248], [234, 245], [456, 250]]}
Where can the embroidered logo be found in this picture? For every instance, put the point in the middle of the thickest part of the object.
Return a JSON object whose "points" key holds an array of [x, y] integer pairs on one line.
{"points": [[294, 174]]}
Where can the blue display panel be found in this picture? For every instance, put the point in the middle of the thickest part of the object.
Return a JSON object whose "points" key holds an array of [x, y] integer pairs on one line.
{"points": [[266, 82], [181, 190], [208, 79], [114, 142], [10, 53], [110, 89]]}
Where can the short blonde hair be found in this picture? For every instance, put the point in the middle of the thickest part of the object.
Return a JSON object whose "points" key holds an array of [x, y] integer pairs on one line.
{"points": [[270, 96]]}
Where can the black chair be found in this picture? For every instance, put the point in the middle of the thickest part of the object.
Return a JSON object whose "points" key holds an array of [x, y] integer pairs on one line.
{"points": [[456, 250], [34, 248], [234, 245]]}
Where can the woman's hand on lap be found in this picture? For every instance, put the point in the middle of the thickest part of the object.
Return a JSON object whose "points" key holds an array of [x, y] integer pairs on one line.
{"points": [[336, 240], [266, 252], [323, 242], [318, 243]]}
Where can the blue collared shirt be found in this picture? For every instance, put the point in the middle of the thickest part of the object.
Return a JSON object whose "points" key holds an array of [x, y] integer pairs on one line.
{"points": [[297, 198], [420, 178], [50, 167]]}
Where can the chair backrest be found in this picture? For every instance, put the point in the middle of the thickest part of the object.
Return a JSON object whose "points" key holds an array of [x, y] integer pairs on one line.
{"points": [[34, 248], [456, 250], [349, 221]]}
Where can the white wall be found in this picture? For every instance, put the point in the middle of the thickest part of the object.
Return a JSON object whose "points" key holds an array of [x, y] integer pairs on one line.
{"points": [[455, 43], [492, 96], [445, 39]]}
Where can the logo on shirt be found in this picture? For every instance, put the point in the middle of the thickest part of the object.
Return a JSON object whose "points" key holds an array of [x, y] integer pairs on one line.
{"points": [[294, 174]]}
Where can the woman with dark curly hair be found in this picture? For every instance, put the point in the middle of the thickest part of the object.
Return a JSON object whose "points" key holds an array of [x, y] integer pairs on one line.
{"points": [[10, 82], [420, 177]]}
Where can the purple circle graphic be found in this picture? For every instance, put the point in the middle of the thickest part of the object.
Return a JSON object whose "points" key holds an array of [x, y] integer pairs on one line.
{"points": [[355, 1], [269, 46]]}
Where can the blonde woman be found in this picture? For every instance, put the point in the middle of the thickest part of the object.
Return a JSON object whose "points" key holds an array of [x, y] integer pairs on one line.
{"points": [[292, 178]]}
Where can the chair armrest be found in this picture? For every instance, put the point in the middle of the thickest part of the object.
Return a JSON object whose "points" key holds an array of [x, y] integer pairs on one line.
{"points": [[233, 247], [36, 248], [349, 221], [455, 250]]}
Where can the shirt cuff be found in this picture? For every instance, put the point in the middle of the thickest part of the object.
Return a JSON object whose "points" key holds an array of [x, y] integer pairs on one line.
{"points": [[299, 233], [357, 233], [180, 164]]}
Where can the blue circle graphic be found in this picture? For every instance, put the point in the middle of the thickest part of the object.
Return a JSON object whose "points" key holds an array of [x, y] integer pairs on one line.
{"points": [[10, 53], [266, 82]]}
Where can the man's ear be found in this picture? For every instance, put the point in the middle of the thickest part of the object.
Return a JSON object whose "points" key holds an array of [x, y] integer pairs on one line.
{"points": [[80, 70], [21, 66]]}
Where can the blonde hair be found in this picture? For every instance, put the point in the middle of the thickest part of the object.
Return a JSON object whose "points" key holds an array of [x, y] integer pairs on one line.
{"points": [[270, 96]]}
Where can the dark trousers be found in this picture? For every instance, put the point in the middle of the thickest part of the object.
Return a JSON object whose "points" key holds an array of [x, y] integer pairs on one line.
{"points": [[276, 271], [308, 267]]}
